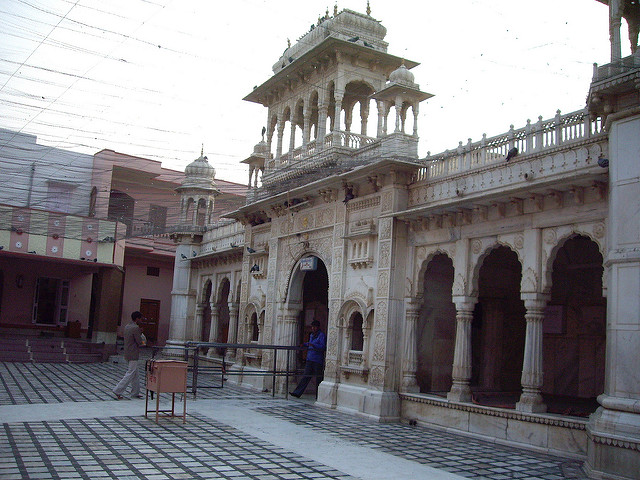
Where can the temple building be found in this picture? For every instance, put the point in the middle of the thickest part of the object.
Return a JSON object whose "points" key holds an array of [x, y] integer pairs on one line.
{"points": [[491, 290]]}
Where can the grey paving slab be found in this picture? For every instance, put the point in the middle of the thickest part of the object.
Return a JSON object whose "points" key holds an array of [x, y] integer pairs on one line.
{"points": [[60, 422]]}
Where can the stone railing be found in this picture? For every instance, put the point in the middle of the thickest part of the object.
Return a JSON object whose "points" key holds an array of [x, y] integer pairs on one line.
{"points": [[348, 140], [533, 138], [624, 65], [223, 235]]}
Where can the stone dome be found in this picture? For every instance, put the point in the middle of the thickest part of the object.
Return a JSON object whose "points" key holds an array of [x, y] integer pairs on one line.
{"points": [[261, 148], [199, 174], [402, 76], [200, 168]]}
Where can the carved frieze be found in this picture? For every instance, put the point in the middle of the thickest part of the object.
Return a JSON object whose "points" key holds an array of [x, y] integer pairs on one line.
{"points": [[381, 314], [378, 347], [376, 377]]}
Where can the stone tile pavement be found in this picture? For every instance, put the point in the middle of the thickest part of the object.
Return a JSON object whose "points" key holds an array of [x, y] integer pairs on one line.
{"points": [[60, 421]]}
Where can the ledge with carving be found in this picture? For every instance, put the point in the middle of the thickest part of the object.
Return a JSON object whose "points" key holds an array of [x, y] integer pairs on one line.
{"points": [[541, 418]]}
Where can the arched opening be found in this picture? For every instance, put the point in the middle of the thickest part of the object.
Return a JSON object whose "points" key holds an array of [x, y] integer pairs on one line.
{"points": [[313, 120], [206, 314], [575, 330], [436, 328], [357, 103], [498, 331], [253, 327], [201, 213], [357, 335], [223, 311], [314, 301]]}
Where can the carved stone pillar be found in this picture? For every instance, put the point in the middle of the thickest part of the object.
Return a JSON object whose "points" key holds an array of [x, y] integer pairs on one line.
{"points": [[279, 144], [532, 375], [322, 125], [288, 331], [292, 139], [461, 390], [364, 117], [306, 129], [213, 330], [337, 118], [233, 327], [398, 115], [415, 109], [348, 116], [381, 118], [410, 354], [196, 333]]}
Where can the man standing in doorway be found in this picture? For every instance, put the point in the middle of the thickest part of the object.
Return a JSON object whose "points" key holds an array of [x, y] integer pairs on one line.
{"points": [[315, 358], [133, 340]]}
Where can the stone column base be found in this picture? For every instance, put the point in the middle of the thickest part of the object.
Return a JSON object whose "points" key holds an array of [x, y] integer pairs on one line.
{"points": [[613, 450], [460, 392], [531, 402]]}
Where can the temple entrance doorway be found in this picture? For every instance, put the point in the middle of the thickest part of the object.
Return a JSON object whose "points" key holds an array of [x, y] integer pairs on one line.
{"points": [[315, 306], [498, 331]]}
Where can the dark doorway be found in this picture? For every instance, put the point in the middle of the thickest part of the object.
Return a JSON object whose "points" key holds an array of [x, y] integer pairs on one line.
{"points": [[436, 329], [575, 330], [150, 310], [315, 305], [206, 314], [498, 330]]}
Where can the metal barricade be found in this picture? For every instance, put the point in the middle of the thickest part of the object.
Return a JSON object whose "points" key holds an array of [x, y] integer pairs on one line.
{"points": [[218, 365]]}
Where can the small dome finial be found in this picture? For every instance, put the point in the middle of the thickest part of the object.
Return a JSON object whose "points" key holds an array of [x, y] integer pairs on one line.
{"points": [[202, 150], [335, 9], [288, 43], [368, 8]]}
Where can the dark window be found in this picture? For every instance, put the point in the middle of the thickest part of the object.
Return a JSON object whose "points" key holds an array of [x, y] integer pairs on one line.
{"points": [[153, 271]]}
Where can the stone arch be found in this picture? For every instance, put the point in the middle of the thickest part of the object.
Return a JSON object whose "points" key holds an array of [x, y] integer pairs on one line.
{"points": [[205, 302], [558, 243], [498, 326], [313, 104], [436, 325], [575, 338], [419, 285], [475, 269]]}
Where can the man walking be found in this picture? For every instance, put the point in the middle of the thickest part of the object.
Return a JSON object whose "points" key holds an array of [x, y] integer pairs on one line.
{"points": [[315, 358], [133, 339]]}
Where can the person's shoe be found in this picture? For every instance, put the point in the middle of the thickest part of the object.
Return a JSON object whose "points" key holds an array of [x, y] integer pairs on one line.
{"points": [[294, 394], [118, 397], [137, 396]]}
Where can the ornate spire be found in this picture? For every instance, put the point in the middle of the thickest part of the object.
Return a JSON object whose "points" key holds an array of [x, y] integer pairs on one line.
{"points": [[368, 8], [202, 150], [335, 9]]}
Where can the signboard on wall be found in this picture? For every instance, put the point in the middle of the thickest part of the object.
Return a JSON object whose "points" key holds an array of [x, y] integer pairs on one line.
{"points": [[308, 264]]}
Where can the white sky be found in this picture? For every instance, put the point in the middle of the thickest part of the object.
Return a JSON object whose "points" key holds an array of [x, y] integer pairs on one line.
{"points": [[158, 78]]}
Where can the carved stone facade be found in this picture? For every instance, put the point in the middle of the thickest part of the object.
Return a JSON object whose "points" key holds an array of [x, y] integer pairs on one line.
{"points": [[464, 290]]}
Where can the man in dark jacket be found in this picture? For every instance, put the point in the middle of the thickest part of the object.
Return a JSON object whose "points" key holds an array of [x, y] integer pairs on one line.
{"points": [[315, 358], [133, 339]]}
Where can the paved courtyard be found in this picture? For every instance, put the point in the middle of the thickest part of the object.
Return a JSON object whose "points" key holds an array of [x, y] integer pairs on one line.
{"points": [[60, 421]]}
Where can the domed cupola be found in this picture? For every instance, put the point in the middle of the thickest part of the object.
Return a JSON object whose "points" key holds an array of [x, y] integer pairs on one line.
{"points": [[402, 76], [261, 148], [200, 174], [198, 191]]}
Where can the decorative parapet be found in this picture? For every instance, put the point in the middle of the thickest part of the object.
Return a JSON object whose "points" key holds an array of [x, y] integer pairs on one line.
{"points": [[621, 67], [542, 136]]}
